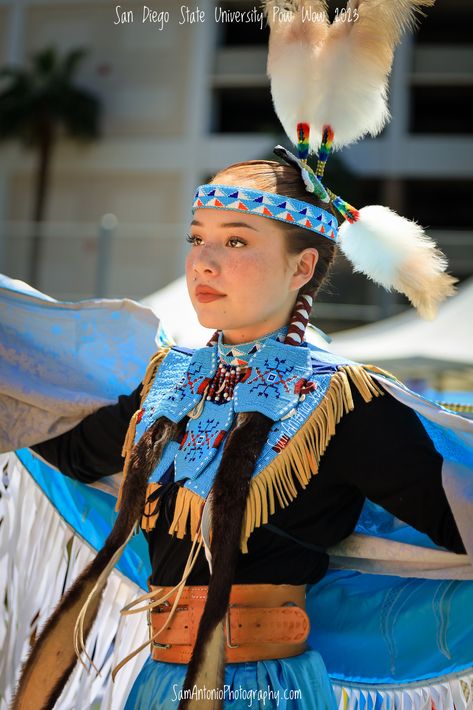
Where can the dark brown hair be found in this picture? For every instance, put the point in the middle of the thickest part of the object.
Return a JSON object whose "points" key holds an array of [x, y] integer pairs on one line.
{"points": [[270, 176]]}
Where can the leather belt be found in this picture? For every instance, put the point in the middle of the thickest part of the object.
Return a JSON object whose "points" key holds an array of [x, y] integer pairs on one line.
{"points": [[263, 621]]}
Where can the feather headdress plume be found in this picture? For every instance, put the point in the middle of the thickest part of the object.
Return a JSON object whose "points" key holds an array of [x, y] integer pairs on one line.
{"points": [[397, 254], [331, 80], [335, 73]]}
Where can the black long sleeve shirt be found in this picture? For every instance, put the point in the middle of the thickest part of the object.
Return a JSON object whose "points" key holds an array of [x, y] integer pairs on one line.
{"points": [[379, 451]]}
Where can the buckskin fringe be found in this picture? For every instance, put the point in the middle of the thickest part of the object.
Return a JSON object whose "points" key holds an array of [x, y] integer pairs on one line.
{"points": [[150, 374], [299, 460], [188, 506]]}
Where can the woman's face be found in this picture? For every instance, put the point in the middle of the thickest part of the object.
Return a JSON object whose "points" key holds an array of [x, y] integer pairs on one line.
{"points": [[239, 275]]}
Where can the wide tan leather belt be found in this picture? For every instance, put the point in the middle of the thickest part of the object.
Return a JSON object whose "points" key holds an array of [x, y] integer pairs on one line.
{"points": [[263, 621]]}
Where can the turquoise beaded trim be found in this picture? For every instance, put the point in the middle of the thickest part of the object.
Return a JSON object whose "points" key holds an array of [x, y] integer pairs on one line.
{"points": [[267, 204]]}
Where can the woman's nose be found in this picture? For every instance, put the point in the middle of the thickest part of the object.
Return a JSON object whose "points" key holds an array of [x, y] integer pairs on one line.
{"points": [[205, 261]]}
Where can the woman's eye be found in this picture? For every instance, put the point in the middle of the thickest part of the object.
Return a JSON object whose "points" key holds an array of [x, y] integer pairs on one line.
{"points": [[194, 240], [236, 242]]}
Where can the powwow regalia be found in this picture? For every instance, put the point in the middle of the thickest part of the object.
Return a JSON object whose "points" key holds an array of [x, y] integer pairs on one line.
{"points": [[227, 441]]}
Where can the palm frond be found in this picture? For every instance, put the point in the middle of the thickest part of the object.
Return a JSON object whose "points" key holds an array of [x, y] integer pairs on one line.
{"points": [[47, 90]]}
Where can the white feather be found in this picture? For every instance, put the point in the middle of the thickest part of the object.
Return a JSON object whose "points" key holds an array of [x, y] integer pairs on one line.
{"points": [[331, 93], [335, 74], [378, 242], [397, 254]]}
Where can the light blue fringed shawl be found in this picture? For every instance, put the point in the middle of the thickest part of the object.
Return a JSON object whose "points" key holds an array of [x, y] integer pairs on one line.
{"points": [[61, 361]]}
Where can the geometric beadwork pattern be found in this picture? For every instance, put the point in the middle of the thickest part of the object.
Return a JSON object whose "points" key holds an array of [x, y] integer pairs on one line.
{"points": [[274, 379], [267, 204], [283, 430], [181, 385], [202, 438], [275, 373]]}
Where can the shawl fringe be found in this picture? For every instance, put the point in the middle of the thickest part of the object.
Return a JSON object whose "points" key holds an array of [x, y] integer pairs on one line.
{"points": [[453, 692]]}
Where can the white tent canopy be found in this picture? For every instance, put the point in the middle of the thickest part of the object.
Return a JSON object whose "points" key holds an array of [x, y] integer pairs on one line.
{"points": [[446, 341]]}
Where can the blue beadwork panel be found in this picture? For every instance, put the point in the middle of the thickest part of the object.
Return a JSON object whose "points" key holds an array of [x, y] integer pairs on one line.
{"points": [[180, 385], [283, 431], [202, 439], [276, 373], [167, 459], [203, 483]]}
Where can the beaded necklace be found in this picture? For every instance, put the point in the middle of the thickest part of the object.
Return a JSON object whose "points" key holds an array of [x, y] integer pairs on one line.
{"points": [[233, 363]]}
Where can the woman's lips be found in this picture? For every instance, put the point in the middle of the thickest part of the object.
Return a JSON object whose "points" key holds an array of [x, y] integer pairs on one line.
{"points": [[205, 294]]}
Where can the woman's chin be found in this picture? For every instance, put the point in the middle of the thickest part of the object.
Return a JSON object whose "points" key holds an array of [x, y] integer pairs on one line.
{"points": [[214, 323], [207, 321]]}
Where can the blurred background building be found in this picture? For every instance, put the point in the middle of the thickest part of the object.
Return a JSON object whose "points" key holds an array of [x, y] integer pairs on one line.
{"points": [[181, 101]]}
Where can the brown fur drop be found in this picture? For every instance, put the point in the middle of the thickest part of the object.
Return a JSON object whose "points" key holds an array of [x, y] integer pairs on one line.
{"points": [[229, 494]]}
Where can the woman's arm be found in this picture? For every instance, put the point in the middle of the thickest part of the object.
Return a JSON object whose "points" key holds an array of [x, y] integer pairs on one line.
{"points": [[93, 448], [384, 451]]}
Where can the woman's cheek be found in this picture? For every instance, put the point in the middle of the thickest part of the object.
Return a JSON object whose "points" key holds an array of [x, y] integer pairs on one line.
{"points": [[258, 263], [240, 266]]}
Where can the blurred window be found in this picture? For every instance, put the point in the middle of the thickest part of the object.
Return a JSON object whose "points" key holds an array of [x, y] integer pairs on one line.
{"points": [[441, 109], [244, 110]]}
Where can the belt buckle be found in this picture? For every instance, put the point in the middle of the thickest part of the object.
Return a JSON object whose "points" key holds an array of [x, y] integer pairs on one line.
{"points": [[155, 644], [227, 629]]}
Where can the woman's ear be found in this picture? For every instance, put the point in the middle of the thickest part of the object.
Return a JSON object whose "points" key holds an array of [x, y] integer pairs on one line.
{"points": [[305, 264]]}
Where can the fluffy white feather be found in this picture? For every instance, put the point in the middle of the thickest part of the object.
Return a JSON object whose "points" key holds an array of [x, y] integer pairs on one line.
{"points": [[337, 73], [397, 254]]}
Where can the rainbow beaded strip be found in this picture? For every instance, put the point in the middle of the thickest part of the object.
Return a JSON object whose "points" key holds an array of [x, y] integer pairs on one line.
{"points": [[324, 150], [303, 132], [267, 204]]}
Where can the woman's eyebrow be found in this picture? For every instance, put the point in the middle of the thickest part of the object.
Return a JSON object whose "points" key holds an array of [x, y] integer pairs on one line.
{"points": [[195, 223]]}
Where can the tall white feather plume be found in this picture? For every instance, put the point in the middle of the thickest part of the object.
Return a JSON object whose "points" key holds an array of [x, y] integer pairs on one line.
{"points": [[335, 74], [397, 254]]}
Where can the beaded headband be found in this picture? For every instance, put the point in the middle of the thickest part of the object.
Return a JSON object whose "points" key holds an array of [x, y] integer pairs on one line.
{"points": [[267, 204]]}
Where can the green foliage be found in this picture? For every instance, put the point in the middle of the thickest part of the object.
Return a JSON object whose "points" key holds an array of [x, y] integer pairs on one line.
{"points": [[45, 94]]}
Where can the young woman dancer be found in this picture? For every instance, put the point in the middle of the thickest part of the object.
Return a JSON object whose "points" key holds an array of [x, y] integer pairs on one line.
{"points": [[248, 458]]}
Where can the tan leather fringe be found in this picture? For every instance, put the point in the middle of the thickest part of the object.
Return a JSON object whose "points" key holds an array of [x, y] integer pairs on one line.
{"points": [[148, 521], [379, 371], [188, 508], [154, 598], [300, 458], [454, 407], [148, 380], [275, 484], [188, 505]]}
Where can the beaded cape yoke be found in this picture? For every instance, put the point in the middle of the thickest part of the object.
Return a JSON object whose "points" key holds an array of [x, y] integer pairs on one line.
{"points": [[304, 390]]}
